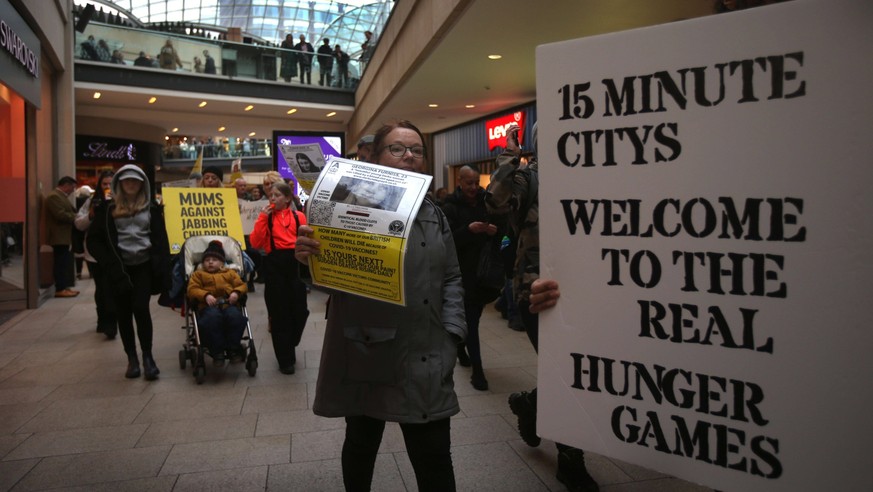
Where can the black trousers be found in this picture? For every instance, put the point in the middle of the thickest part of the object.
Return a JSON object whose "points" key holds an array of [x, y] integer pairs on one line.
{"points": [[134, 304], [106, 320], [532, 323], [285, 297], [473, 312], [63, 267], [305, 73], [428, 446]]}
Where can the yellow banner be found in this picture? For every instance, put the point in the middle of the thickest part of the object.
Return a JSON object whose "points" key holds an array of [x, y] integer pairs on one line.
{"points": [[362, 263], [201, 212]]}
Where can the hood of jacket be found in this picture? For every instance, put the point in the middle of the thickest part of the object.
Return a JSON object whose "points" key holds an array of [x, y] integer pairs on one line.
{"points": [[131, 170]]}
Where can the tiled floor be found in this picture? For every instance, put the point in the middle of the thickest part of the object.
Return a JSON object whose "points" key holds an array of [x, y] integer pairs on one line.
{"points": [[69, 420]]}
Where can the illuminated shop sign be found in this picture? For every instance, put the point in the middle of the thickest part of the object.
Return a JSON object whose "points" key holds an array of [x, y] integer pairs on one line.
{"points": [[19, 63], [108, 149], [498, 127], [12, 43]]}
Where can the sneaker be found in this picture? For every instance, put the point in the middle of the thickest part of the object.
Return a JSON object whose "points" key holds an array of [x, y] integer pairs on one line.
{"points": [[67, 293], [525, 409]]}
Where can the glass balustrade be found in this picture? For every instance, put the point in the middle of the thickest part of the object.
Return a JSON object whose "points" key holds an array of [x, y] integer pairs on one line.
{"points": [[128, 47]]}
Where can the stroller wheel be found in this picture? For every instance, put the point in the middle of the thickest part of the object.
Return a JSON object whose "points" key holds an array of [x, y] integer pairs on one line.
{"points": [[183, 359], [196, 356], [199, 374], [252, 367]]}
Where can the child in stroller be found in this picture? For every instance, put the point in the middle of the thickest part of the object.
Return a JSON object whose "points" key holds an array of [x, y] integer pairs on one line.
{"points": [[215, 292]]}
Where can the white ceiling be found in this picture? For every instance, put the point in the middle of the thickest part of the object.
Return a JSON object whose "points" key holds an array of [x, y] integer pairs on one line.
{"points": [[457, 72]]}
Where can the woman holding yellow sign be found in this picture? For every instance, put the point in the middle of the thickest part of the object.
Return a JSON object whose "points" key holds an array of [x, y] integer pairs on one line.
{"points": [[385, 362]]}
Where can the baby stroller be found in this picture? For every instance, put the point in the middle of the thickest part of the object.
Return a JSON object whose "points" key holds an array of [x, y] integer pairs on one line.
{"points": [[192, 349]]}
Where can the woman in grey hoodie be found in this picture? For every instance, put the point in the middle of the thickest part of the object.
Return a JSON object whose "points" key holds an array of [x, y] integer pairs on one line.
{"points": [[128, 239]]}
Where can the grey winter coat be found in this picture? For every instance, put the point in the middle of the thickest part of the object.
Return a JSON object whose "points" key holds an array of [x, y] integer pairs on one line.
{"points": [[391, 362]]}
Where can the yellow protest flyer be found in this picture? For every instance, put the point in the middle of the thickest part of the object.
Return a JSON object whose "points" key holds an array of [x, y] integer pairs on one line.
{"points": [[367, 264], [362, 214], [192, 212]]}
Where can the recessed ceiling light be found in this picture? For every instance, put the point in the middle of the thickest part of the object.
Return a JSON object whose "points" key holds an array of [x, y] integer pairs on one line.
{"points": [[433, 105], [292, 111], [470, 106], [202, 103], [249, 107], [495, 57], [97, 95], [175, 130], [252, 134], [221, 128], [332, 113], [152, 100]]}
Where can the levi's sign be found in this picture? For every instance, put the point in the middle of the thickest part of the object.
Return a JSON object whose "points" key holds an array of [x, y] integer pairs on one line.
{"points": [[498, 127]]}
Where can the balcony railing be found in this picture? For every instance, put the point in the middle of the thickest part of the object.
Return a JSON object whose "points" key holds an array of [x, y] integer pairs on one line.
{"points": [[216, 148], [147, 48]]}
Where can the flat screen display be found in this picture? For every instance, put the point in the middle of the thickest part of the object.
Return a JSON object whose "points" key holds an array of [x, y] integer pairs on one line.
{"points": [[331, 143]]}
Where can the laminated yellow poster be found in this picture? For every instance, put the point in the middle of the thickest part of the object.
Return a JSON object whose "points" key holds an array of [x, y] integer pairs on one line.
{"points": [[192, 212], [362, 214]]}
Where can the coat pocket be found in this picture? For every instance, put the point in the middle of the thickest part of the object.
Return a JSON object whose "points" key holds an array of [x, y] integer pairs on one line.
{"points": [[370, 354]]}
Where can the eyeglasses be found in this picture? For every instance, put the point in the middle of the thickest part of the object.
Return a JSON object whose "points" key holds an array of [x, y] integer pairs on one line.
{"points": [[398, 150]]}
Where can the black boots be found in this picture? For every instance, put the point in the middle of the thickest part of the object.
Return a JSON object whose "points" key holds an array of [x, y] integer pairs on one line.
{"points": [[572, 471], [133, 371], [478, 379], [289, 368], [149, 366], [524, 406], [463, 358]]}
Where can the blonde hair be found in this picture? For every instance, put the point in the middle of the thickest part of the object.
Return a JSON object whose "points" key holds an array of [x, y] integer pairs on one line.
{"points": [[273, 177], [126, 206]]}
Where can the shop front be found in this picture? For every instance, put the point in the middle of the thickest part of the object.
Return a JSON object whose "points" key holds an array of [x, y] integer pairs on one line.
{"points": [[478, 143], [19, 90], [36, 125]]}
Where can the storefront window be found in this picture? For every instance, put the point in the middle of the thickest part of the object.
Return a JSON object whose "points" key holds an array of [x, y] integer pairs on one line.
{"points": [[12, 182]]}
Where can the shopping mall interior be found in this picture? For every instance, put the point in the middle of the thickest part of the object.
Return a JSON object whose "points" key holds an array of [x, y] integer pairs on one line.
{"points": [[90, 87]]}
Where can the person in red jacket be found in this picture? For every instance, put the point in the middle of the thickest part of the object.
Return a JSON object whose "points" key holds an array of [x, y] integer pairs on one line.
{"points": [[284, 293]]}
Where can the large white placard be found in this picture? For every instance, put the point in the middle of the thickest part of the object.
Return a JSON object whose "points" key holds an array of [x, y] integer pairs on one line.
{"points": [[705, 186]]}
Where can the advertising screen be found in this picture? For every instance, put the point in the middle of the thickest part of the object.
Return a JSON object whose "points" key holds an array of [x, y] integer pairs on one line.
{"points": [[331, 143]]}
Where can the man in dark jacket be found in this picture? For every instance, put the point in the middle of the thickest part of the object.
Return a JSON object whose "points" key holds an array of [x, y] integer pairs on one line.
{"points": [[514, 189], [304, 57], [209, 63], [473, 230], [143, 60], [325, 62]]}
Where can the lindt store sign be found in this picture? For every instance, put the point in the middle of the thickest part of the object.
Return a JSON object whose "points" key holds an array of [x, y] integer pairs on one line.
{"points": [[498, 127], [107, 149], [102, 150]]}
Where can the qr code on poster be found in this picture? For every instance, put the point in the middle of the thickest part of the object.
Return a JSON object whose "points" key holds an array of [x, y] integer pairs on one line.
{"points": [[320, 212]]}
